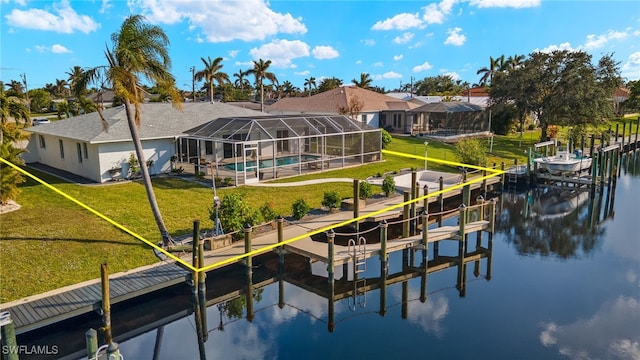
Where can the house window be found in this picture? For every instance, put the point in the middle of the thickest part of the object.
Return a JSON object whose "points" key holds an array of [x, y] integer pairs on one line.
{"points": [[84, 148], [61, 148], [42, 143], [208, 147], [79, 149], [282, 145], [364, 118], [383, 120]]}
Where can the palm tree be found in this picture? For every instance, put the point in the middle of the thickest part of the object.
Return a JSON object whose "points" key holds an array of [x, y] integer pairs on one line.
{"points": [[495, 65], [311, 83], [15, 87], [288, 89], [365, 81], [77, 81], [61, 88], [212, 72], [139, 51], [514, 62], [241, 82], [63, 108], [260, 72], [12, 108]]}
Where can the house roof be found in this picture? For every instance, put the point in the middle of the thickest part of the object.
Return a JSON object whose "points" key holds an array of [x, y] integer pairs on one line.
{"points": [[448, 107], [159, 120], [329, 102], [251, 128]]}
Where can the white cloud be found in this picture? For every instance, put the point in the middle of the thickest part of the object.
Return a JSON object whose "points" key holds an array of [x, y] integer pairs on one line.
{"points": [[436, 13], [405, 38], [612, 332], [358, 62], [233, 53], [423, 67], [66, 20], [455, 38], [597, 41], [398, 57], [391, 75], [378, 64], [41, 48], [302, 73], [369, 42], [631, 68], [324, 52], [454, 75], [222, 21], [281, 52], [106, 5], [505, 3], [59, 49], [551, 48], [401, 21]]}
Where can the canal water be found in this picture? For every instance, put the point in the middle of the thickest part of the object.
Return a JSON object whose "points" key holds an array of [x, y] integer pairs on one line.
{"points": [[559, 280]]}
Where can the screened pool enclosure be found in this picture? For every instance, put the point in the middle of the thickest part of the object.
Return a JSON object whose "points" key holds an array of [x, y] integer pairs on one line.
{"points": [[250, 149]]}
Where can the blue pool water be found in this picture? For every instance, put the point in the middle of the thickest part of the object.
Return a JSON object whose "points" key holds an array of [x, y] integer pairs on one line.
{"points": [[268, 163]]}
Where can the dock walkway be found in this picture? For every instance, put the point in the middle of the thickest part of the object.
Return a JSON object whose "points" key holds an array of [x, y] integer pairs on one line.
{"points": [[48, 308]]}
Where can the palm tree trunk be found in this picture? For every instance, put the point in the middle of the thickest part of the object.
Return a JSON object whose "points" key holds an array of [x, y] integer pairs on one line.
{"points": [[261, 96], [211, 89], [146, 178]]}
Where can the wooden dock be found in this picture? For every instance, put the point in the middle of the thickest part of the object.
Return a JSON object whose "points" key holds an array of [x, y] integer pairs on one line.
{"points": [[48, 308]]}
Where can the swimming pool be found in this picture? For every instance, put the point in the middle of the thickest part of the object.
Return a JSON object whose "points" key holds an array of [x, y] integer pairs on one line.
{"points": [[268, 163]]}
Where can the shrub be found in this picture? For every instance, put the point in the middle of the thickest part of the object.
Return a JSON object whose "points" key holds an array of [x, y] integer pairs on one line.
{"points": [[471, 152], [388, 185], [179, 170], [366, 191], [386, 138], [234, 213], [331, 200], [228, 181], [300, 208], [267, 212], [200, 175]]}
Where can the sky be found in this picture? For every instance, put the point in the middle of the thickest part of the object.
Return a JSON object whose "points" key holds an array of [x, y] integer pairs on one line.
{"points": [[395, 42]]}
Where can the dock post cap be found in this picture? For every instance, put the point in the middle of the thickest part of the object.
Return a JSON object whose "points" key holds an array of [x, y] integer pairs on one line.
{"points": [[5, 318], [280, 218], [462, 206], [480, 198], [247, 228], [383, 222]]}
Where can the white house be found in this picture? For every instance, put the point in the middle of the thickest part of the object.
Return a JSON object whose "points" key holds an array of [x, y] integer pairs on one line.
{"points": [[81, 146]]}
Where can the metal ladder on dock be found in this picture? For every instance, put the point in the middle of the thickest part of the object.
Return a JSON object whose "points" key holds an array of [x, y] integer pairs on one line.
{"points": [[358, 254]]}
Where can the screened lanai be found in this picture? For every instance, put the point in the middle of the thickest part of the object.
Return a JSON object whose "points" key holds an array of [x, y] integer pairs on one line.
{"points": [[250, 149]]}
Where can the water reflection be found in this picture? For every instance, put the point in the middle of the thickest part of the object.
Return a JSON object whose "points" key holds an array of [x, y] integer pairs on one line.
{"points": [[555, 222], [304, 289], [612, 332]]}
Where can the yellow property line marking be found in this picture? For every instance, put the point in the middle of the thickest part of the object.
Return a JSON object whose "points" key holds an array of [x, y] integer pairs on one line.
{"points": [[492, 173], [104, 217]]}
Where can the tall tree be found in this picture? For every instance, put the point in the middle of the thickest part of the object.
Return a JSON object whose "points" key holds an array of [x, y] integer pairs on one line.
{"points": [[212, 71], [260, 72], [288, 89], [442, 85], [329, 83], [311, 83], [240, 81], [77, 81], [62, 88], [559, 88], [514, 62], [12, 108], [364, 82], [495, 65], [15, 88], [139, 50]]}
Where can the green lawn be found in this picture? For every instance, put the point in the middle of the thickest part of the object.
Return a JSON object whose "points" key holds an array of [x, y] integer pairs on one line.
{"points": [[52, 242]]}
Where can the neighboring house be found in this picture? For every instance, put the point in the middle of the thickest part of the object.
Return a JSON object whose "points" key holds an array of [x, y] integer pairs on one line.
{"points": [[477, 96], [377, 110], [81, 146], [620, 95], [447, 118]]}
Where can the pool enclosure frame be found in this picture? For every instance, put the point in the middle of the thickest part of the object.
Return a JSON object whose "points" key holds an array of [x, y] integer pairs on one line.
{"points": [[250, 149]]}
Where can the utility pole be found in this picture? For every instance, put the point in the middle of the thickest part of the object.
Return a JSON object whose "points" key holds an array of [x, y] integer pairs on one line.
{"points": [[193, 83], [411, 90]]}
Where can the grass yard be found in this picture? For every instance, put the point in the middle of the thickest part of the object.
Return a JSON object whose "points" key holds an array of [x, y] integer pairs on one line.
{"points": [[51, 242]]}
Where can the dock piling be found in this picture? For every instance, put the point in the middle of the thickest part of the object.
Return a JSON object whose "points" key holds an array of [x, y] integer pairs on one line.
{"points": [[91, 340], [405, 215], [112, 346], [8, 335], [330, 266], [247, 247]]}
